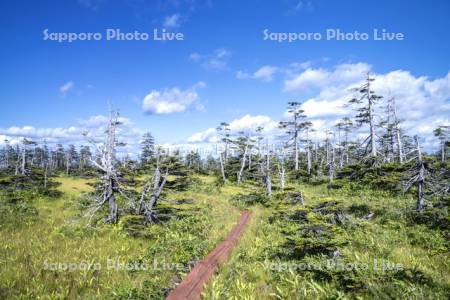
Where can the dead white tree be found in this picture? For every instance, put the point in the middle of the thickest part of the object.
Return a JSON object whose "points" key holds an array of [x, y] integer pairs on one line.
{"points": [[245, 143], [306, 126], [366, 111], [222, 167], [107, 165], [293, 128], [267, 173], [281, 168], [332, 164], [417, 175], [155, 186], [265, 170]]}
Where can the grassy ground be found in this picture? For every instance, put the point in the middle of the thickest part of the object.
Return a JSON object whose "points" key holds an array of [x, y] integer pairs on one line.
{"points": [[287, 252], [269, 263], [160, 253]]}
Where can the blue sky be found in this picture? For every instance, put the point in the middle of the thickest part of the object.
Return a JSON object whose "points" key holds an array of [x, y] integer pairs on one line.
{"points": [[223, 70]]}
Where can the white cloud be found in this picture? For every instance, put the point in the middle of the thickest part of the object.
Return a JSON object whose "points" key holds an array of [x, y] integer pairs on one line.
{"points": [[195, 57], [217, 60], [250, 123], [242, 75], [422, 104], [322, 108], [222, 52], [173, 21], [209, 135], [100, 120], [265, 73], [94, 127], [171, 100], [319, 78], [66, 87], [247, 124]]}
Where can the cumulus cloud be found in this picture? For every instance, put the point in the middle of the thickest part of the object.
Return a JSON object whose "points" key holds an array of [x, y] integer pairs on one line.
{"points": [[422, 103], [101, 120], [66, 87], [92, 128], [209, 135], [217, 60], [246, 123], [319, 78], [171, 100], [172, 21], [265, 73]]}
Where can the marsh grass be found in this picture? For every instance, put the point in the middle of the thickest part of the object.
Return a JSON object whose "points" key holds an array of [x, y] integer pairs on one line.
{"points": [[50, 231], [285, 239]]}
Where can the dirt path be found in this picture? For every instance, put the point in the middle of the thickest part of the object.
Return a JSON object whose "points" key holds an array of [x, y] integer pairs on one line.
{"points": [[192, 285]]}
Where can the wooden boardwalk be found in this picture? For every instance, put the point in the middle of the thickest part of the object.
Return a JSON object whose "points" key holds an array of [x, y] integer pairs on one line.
{"points": [[192, 285]]}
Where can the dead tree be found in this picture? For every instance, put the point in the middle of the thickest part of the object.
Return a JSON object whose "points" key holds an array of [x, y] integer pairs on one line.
{"points": [[156, 186], [281, 169], [107, 165], [418, 174], [264, 166], [242, 142], [293, 128], [366, 112], [344, 125], [222, 167], [332, 165], [306, 126]]}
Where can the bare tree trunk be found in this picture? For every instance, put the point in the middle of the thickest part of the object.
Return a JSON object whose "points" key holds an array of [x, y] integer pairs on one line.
{"points": [[241, 170], [308, 152], [399, 146], [327, 145], [111, 199], [45, 176], [23, 159], [17, 163], [106, 164], [226, 152], [268, 175], [346, 148], [420, 179], [281, 172], [67, 165], [332, 165], [340, 148], [373, 143], [296, 152], [397, 133], [148, 207], [316, 152], [222, 168]]}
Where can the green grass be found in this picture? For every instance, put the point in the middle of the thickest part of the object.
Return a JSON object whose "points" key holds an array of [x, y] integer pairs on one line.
{"points": [[266, 266], [57, 235], [279, 235]]}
